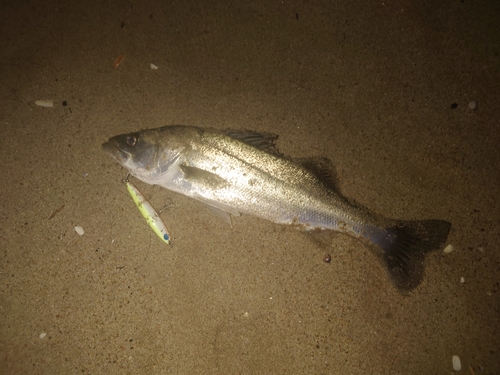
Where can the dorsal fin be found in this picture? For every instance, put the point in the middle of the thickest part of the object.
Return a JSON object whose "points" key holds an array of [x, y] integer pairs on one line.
{"points": [[322, 168], [262, 141]]}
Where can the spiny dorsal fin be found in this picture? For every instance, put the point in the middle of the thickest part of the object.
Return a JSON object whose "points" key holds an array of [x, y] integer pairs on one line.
{"points": [[262, 141]]}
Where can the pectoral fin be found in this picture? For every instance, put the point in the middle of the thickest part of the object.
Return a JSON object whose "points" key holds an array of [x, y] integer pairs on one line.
{"points": [[210, 181], [202, 177]]}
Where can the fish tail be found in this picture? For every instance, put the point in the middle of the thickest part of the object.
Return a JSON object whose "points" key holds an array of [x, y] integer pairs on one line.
{"points": [[405, 248]]}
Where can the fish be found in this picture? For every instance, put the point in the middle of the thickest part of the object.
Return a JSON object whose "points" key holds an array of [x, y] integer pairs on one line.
{"points": [[242, 172], [149, 213]]}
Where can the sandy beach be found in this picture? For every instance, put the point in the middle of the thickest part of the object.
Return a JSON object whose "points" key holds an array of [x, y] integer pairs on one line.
{"points": [[402, 97]]}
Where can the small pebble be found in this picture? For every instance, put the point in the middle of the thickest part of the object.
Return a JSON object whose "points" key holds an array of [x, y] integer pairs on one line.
{"points": [[454, 105], [44, 103], [457, 365], [462, 280], [42, 335], [79, 230], [448, 249], [327, 258], [472, 104], [154, 67]]}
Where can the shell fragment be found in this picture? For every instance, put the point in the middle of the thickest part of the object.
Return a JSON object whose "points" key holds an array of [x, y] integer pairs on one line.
{"points": [[79, 230], [44, 103]]}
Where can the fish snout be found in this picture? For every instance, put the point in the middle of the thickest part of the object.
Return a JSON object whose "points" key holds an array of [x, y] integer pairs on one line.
{"points": [[106, 147], [117, 154]]}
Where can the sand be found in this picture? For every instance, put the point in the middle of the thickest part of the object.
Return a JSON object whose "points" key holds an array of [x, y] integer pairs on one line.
{"points": [[380, 88]]}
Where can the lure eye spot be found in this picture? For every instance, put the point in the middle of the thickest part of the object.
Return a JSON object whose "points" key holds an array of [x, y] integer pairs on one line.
{"points": [[131, 141]]}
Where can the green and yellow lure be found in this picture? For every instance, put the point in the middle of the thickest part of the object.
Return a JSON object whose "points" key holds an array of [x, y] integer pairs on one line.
{"points": [[149, 213]]}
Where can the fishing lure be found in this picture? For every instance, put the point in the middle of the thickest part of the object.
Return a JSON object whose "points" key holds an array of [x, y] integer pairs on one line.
{"points": [[149, 213]]}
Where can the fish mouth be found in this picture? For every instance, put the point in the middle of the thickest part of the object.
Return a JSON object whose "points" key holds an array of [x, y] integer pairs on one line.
{"points": [[119, 155]]}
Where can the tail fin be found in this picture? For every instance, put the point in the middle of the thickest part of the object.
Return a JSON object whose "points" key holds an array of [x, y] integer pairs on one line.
{"points": [[410, 241]]}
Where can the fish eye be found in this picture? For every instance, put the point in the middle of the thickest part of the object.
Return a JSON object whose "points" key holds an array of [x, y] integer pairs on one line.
{"points": [[131, 140]]}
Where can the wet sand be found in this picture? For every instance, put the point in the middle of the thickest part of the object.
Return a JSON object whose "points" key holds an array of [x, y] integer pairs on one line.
{"points": [[381, 89]]}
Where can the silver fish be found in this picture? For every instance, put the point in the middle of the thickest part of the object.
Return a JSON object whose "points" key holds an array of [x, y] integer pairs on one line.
{"points": [[242, 172]]}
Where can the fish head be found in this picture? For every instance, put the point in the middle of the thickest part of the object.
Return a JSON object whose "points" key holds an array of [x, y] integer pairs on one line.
{"points": [[135, 152], [150, 155]]}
